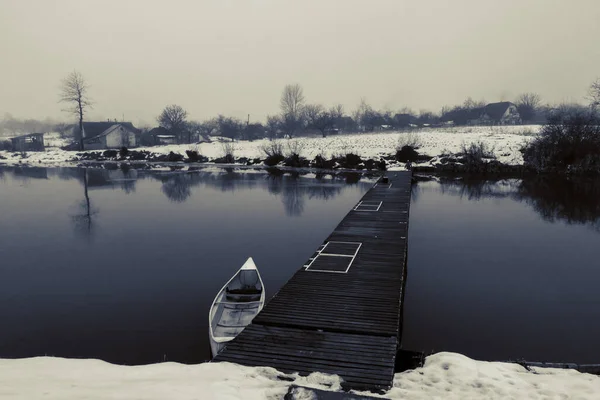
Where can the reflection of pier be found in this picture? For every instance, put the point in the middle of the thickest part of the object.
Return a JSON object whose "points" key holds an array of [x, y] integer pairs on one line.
{"points": [[341, 312]]}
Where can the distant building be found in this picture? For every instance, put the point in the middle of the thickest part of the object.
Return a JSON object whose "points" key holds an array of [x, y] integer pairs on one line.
{"points": [[109, 135], [502, 113], [29, 142]]}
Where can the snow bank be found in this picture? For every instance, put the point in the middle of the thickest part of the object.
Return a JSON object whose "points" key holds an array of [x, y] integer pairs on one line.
{"points": [[503, 141], [444, 376]]}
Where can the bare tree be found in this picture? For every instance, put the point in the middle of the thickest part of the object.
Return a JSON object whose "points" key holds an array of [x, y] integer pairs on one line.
{"points": [[318, 118], [74, 90], [229, 127], [291, 105], [273, 126], [470, 104], [64, 130], [337, 111], [594, 94], [173, 118], [527, 105]]}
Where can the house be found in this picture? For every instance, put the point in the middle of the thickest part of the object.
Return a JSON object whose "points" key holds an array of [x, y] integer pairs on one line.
{"points": [[502, 113], [157, 136], [29, 142], [108, 135]]}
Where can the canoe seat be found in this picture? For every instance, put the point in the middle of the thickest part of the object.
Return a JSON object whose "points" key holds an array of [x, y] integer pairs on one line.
{"points": [[242, 298]]}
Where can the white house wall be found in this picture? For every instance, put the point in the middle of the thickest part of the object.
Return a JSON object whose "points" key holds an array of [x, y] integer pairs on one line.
{"points": [[120, 137]]}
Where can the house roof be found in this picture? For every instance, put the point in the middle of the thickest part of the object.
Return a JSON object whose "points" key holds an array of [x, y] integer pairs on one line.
{"points": [[159, 130], [27, 135], [496, 110], [94, 129]]}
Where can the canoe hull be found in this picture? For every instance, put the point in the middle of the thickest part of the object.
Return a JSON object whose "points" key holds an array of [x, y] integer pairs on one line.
{"points": [[235, 306]]}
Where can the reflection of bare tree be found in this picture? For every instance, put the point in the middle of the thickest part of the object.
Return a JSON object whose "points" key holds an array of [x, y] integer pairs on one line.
{"points": [[323, 191], [177, 188], [275, 184], [574, 201], [477, 188], [293, 198], [128, 186], [83, 219]]}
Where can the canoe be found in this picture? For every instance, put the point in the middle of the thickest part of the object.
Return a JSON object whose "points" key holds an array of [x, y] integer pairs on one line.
{"points": [[235, 306]]}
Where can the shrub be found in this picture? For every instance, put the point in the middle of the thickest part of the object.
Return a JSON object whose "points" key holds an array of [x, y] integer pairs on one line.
{"points": [[407, 154], [110, 153], [296, 161], [194, 156], [410, 139], [228, 153], [570, 141], [123, 152], [274, 153], [322, 162], [138, 155], [174, 157], [350, 160], [475, 153], [294, 157]]}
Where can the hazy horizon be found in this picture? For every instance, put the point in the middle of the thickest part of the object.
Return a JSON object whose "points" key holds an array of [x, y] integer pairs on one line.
{"points": [[234, 57]]}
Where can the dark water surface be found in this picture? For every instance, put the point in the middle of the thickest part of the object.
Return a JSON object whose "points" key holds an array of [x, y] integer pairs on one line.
{"points": [[497, 270], [129, 276], [505, 270]]}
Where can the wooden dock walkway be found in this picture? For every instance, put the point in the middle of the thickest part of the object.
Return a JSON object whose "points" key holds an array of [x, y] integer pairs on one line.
{"points": [[341, 312]]}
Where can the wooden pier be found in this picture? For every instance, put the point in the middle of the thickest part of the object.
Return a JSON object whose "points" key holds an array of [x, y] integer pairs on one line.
{"points": [[341, 312]]}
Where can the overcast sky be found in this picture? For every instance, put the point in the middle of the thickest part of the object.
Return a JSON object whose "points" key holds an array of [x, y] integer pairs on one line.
{"points": [[234, 56]]}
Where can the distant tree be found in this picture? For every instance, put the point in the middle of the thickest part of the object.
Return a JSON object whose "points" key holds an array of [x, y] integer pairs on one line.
{"points": [[470, 104], [366, 117], [229, 127], [173, 118], [594, 94], [319, 118], [337, 111], [527, 105], [273, 126], [363, 114], [291, 105], [207, 128], [74, 92], [427, 117], [64, 130], [253, 131]]}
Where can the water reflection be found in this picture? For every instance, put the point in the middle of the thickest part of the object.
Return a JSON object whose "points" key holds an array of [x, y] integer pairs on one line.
{"points": [[178, 186], [555, 199], [83, 216], [574, 201], [160, 245]]}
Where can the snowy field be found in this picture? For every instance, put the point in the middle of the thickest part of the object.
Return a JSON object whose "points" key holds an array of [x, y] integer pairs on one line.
{"points": [[504, 141], [444, 376]]}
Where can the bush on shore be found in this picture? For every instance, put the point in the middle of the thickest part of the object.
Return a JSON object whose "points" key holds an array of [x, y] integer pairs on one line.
{"points": [[475, 153], [274, 153], [569, 142]]}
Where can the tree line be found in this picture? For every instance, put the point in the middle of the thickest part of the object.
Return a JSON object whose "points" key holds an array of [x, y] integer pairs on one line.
{"points": [[295, 117]]}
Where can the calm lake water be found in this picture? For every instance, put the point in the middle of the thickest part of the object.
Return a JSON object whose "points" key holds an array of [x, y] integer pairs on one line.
{"points": [[130, 278], [497, 270], [505, 270]]}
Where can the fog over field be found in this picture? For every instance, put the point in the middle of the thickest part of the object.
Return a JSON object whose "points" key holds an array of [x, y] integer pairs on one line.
{"points": [[233, 57]]}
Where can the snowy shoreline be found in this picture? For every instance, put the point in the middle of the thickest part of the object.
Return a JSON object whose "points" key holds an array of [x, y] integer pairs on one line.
{"points": [[444, 375], [503, 141]]}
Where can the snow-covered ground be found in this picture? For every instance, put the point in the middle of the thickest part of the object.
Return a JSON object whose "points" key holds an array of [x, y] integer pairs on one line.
{"points": [[444, 376], [503, 141]]}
